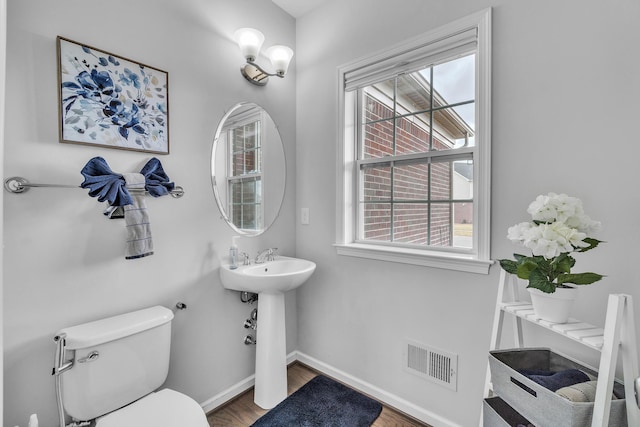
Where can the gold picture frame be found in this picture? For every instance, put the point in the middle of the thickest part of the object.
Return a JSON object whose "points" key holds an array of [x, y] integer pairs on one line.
{"points": [[111, 101]]}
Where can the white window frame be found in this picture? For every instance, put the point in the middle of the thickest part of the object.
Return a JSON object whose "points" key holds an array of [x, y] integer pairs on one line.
{"points": [[477, 260]]}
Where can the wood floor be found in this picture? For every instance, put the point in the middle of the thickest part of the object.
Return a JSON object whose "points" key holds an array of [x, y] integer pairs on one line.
{"points": [[242, 412]]}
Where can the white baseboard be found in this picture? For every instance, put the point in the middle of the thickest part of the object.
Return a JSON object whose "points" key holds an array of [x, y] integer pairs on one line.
{"points": [[235, 390], [228, 394], [377, 393], [369, 389]]}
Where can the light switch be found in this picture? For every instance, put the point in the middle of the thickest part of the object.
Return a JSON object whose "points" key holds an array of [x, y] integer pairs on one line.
{"points": [[304, 216]]}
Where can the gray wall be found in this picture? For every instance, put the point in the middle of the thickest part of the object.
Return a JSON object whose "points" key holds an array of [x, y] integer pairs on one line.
{"points": [[565, 85], [566, 81], [64, 261]]}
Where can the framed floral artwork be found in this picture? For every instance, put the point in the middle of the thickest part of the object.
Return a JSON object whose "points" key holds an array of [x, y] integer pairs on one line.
{"points": [[110, 101]]}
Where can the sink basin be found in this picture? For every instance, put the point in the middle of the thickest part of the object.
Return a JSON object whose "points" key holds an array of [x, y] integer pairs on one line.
{"points": [[269, 280], [279, 275]]}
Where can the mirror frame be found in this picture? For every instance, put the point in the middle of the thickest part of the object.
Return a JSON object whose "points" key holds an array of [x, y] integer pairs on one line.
{"points": [[268, 222]]}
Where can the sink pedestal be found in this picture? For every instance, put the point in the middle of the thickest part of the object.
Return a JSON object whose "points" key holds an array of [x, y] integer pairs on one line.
{"points": [[270, 280], [271, 351]]}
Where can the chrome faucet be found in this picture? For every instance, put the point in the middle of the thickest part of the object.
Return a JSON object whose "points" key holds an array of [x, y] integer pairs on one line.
{"points": [[265, 255], [245, 258]]}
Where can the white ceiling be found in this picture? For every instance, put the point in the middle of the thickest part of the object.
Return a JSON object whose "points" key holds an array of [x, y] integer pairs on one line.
{"points": [[298, 8]]}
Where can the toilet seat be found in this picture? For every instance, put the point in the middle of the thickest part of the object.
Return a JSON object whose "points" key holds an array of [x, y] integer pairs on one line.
{"points": [[164, 408]]}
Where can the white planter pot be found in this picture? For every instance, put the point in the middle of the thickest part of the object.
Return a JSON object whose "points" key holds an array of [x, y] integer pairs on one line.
{"points": [[554, 307]]}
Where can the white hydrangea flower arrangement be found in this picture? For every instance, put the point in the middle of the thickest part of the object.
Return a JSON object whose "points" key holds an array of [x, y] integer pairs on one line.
{"points": [[559, 227]]}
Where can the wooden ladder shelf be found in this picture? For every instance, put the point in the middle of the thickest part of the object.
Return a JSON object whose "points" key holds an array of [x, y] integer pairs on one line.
{"points": [[618, 335]]}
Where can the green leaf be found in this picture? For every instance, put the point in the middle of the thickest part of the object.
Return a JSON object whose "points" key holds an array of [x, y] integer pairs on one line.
{"points": [[538, 280], [509, 266], [579, 278], [544, 265], [592, 244], [519, 257], [525, 268], [563, 263]]}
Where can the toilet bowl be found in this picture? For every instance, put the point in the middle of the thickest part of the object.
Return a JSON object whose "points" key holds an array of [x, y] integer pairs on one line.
{"points": [[164, 408], [109, 371]]}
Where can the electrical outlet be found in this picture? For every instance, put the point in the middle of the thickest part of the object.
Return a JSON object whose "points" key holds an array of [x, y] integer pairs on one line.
{"points": [[304, 216]]}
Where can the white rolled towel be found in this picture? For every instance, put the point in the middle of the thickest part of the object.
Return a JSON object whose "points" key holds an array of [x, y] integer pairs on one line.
{"points": [[139, 243], [581, 392]]}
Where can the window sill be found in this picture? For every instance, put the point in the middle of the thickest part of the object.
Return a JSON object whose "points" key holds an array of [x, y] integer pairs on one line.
{"points": [[448, 261]]}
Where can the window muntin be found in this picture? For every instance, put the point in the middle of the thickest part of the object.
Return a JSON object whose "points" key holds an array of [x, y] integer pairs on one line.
{"points": [[407, 187]]}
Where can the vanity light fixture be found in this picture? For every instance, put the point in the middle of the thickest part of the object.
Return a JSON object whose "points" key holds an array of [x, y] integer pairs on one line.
{"points": [[250, 41]]}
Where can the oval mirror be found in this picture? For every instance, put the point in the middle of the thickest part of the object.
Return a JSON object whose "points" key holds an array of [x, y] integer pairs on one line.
{"points": [[248, 169]]}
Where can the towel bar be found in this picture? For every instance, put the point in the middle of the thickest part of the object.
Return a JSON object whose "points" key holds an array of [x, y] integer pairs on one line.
{"points": [[17, 184]]}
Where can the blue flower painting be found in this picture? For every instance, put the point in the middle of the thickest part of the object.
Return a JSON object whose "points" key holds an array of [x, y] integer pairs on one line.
{"points": [[110, 101]]}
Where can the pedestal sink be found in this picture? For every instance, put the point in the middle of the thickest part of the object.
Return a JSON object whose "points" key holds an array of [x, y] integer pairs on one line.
{"points": [[269, 280]]}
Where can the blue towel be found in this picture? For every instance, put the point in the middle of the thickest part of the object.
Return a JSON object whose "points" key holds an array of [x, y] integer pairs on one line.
{"points": [[108, 185], [157, 181], [104, 183], [556, 380]]}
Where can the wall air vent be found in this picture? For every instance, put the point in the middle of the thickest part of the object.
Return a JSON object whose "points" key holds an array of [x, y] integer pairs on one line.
{"points": [[435, 365]]}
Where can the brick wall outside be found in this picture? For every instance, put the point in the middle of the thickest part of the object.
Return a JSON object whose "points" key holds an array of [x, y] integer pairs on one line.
{"points": [[411, 183]]}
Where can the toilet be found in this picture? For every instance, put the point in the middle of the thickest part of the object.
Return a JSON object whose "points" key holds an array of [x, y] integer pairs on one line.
{"points": [[108, 372]]}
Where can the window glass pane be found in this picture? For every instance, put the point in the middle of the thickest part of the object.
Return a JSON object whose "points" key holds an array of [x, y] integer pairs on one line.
{"points": [[467, 113], [245, 146], [258, 190], [377, 139], [454, 81], [441, 181], [248, 192], [411, 182], [450, 129], [250, 136], [463, 225], [237, 164], [412, 134], [237, 140], [463, 179], [236, 215], [378, 101], [440, 226], [377, 221], [245, 163], [410, 222], [248, 217], [235, 189], [413, 92], [376, 183], [251, 161]]}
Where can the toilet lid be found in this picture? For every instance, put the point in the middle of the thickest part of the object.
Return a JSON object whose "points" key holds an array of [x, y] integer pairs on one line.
{"points": [[164, 408]]}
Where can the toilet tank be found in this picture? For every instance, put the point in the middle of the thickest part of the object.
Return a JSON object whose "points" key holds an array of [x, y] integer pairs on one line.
{"points": [[130, 359]]}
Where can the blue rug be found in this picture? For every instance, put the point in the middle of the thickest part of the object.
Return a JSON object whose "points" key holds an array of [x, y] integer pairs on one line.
{"points": [[322, 402]]}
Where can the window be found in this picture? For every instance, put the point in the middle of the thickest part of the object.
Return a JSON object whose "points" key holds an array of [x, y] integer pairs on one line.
{"points": [[244, 172], [416, 150]]}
